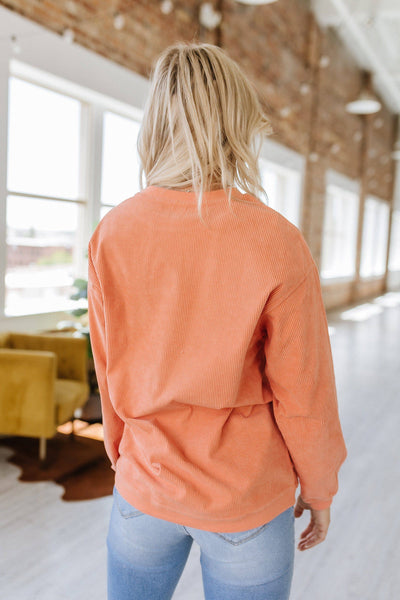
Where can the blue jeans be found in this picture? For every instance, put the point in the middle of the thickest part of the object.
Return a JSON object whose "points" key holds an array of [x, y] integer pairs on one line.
{"points": [[146, 557]]}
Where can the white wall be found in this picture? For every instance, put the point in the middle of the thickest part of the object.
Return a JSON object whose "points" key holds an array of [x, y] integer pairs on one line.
{"points": [[73, 68]]}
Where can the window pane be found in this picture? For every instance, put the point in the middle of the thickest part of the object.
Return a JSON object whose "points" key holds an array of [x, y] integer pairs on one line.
{"points": [[120, 163], [374, 240], [382, 239], [394, 260], [283, 189], [43, 141], [269, 181], [42, 242], [104, 210], [367, 249], [339, 238]]}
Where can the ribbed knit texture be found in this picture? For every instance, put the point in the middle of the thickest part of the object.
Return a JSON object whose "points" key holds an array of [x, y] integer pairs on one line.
{"points": [[213, 360]]}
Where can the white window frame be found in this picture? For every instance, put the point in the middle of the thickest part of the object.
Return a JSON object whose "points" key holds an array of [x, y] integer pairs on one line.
{"points": [[338, 180], [394, 264], [394, 240], [24, 73], [93, 108], [289, 163], [385, 203], [46, 59]]}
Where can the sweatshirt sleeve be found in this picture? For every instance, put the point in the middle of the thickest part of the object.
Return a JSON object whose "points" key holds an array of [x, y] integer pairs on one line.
{"points": [[299, 369], [112, 424]]}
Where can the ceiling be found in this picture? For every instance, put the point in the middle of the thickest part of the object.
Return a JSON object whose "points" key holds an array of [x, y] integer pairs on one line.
{"points": [[370, 29]]}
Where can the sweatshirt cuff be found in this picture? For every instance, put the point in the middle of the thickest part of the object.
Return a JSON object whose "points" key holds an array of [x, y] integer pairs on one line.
{"points": [[318, 504]]}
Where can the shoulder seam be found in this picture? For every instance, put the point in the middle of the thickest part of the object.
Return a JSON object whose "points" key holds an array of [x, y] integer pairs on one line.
{"points": [[268, 308]]}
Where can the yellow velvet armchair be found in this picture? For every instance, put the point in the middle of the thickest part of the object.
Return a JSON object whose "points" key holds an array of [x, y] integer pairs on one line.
{"points": [[43, 381]]}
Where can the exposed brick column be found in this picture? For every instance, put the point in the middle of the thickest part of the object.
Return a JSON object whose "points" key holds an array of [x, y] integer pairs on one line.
{"points": [[392, 199], [366, 127], [314, 175]]}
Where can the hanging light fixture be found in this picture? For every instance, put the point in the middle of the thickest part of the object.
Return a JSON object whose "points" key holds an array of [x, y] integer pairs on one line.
{"points": [[208, 16], [16, 48], [119, 21], [366, 103], [167, 7], [68, 35]]}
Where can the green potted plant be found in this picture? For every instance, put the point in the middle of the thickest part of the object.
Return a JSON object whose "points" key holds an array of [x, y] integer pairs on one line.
{"points": [[83, 328]]}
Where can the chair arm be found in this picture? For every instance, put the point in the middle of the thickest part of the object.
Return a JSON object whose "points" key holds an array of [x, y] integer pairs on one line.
{"points": [[27, 399], [4, 336], [71, 352]]}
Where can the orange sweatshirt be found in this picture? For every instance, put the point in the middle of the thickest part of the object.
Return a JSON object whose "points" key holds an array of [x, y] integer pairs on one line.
{"points": [[213, 360]]}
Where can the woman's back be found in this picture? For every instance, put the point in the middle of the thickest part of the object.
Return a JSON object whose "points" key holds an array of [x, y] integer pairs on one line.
{"points": [[186, 305], [211, 349]]}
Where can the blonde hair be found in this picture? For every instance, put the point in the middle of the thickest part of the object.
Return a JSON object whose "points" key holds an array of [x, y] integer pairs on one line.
{"points": [[201, 124]]}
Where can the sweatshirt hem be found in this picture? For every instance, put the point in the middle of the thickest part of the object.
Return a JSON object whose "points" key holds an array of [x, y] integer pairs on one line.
{"points": [[282, 502]]}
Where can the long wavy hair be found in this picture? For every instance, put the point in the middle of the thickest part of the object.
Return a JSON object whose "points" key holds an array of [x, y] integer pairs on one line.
{"points": [[203, 124]]}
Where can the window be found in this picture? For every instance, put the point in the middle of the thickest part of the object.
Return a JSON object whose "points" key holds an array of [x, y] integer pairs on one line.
{"points": [[394, 256], [339, 238], [44, 217], [283, 186], [43, 141], [70, 160], [41, 253], [374, 237], [120, 161]]}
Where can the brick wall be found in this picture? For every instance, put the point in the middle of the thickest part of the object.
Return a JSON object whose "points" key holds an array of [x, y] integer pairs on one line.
{"points": [[280, 47]]}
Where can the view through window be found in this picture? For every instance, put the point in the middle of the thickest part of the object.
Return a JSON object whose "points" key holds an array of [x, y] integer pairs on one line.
{"points": [[394, 255], [339, 238], [47, 199], [43, 211], [283, 187], [120, 161], [374, 237], [47, 191]]}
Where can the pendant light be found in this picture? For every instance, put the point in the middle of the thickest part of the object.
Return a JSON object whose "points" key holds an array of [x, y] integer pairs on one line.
{"points": [[366, 103]]}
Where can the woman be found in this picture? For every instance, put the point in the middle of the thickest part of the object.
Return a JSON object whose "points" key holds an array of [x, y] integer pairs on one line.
{"points": [[211, 350]]}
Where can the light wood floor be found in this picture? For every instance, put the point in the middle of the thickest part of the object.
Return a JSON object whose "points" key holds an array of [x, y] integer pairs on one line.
{"points": [[55, 550]]}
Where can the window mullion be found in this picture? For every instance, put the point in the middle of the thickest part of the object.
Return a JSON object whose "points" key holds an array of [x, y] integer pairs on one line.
{"points": [[4, 74], [84, 186], [94, 148]]}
